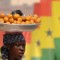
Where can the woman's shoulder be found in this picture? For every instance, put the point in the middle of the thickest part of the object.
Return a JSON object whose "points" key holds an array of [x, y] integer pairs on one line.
{"points": [[0, 54]]}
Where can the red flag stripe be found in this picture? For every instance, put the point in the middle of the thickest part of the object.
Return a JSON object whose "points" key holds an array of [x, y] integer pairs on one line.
{"points": [[1, 38], [27, 36], [43, 8]]}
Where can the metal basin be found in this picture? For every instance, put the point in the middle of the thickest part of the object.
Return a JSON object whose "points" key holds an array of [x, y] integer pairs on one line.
{"points": [[18, 27]]}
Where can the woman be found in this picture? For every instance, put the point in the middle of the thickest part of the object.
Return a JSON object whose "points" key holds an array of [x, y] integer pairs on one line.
{"points": [[14, 44]]}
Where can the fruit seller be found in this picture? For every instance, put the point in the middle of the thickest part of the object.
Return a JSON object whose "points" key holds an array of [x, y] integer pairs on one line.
{"points": [[14, 44]]}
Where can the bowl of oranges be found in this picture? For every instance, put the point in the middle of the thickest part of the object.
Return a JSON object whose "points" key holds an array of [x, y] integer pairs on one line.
{"points": [[16, 22]]}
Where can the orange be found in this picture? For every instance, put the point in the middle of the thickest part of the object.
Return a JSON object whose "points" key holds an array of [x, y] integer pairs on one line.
{"points": [[11, 20], [19, 19], [16, 16], [8, 22], [23, 17], [9, 15], [1, 20], [22, 22], [27, 22], [2, 15], [32, 22], [5, 19], [14, 22], [36, 16], [18, 22], [28, 18], [38, 20]]}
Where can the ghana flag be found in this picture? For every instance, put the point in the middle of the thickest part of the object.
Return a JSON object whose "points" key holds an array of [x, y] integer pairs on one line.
{"points": [[45, 41]]}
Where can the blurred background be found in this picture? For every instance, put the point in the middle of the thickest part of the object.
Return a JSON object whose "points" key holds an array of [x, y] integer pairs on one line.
{"points": [[44, 42]]}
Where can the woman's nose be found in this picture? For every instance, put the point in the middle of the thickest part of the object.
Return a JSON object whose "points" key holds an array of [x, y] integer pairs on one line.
{"points": [[21, 48]]}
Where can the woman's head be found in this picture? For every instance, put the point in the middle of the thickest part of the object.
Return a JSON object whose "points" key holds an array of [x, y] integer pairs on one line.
{"points": [[15, 43]]}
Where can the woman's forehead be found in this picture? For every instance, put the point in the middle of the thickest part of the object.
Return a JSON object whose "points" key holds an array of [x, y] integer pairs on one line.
{"points": [[21, 42]]}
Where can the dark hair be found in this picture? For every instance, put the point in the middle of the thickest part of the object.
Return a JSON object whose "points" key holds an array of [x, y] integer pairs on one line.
{"points": [[10, 39], [17, 12]]}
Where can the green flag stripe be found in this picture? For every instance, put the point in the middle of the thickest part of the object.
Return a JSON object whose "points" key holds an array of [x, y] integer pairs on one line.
{"points": [[35, 58], [48, 54], [57, 48], [57, 43]]}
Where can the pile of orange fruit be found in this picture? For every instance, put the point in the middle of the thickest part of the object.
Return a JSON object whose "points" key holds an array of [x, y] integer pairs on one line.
{"points": [[17, 19]]}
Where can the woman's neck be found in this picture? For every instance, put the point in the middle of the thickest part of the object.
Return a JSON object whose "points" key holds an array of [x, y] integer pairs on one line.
{"points": [[11, 56]]}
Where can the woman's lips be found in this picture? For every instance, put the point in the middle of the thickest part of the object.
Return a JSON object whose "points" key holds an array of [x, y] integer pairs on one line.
{"points": [[21, 51], [21, 54]]}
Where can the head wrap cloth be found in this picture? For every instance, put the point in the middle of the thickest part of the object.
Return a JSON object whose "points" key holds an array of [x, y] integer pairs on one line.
{"points": [[11, 38]]}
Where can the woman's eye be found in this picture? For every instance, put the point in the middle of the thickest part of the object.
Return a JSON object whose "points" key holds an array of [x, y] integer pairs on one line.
{"points": [[23, 45], [18, 45]]}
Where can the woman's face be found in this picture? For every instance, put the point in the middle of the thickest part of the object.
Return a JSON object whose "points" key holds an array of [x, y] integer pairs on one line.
{"points": [[17, 50]]}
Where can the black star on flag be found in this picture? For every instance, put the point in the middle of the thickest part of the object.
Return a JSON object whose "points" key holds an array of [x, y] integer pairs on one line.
{"points": [[38, 43], [49, 32]]}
